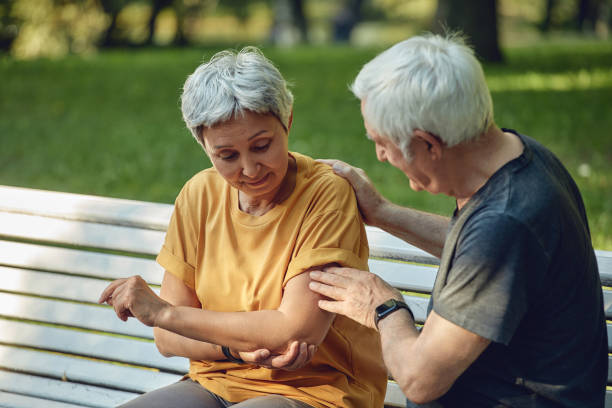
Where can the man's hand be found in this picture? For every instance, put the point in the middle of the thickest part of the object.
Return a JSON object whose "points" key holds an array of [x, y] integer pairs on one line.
{"points": [[132, 297], [353, 293], [368, 198], [295, 357]]}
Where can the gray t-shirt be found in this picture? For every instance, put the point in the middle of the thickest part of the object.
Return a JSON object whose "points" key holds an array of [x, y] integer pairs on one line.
{"points": [[518, 268]]}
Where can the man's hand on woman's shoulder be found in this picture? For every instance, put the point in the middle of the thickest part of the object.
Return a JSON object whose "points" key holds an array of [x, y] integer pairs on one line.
{"points": [[368, 198]]}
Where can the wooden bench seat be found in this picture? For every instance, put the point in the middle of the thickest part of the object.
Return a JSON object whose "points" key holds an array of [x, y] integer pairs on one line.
{"points": [[58, 251]]}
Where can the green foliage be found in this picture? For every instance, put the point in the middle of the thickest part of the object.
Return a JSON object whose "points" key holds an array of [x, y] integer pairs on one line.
{"points": [[110, 124]]}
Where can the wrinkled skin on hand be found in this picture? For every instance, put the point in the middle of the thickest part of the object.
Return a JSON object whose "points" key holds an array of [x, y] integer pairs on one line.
{"points": [[353, 293]]}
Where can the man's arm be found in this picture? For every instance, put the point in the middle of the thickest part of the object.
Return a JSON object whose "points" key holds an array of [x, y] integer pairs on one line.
{"points": [[425, 365], [423, 230]]}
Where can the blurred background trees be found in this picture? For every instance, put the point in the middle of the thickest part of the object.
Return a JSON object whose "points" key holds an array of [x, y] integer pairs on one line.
{"points": [[32, 28]]}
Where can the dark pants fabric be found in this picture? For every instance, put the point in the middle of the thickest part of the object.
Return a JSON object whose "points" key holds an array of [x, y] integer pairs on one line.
{"points": [[190, 394]]}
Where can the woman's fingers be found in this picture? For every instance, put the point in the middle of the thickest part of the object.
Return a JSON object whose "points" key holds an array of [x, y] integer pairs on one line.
{"points": [[117, 301], [301, 359], [132, 297], [258, 357], [285, 359], [107, 293]]}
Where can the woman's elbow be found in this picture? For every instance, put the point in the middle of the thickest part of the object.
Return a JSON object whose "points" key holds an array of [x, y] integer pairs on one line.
{"points": [[310, 335], [161, 343]]}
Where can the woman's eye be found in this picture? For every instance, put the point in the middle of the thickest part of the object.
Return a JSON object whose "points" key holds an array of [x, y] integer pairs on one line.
{"points": [[228, 156], [261, 148]]}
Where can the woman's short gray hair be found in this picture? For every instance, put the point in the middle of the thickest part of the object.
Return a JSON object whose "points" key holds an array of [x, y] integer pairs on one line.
{"points": [[229, 84], [429, 82]]}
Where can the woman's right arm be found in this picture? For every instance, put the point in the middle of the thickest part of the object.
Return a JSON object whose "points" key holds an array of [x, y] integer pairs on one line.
{"points": [[174, 291], [169, 344]]}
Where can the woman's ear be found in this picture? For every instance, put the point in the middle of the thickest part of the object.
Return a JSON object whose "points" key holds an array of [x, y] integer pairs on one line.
{"points": [[290, 122]]}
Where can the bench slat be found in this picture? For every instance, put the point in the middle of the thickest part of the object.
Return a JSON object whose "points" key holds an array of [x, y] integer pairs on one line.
{"points": [[81, 207], [384, 245], [70, 314], [78, 262], [604, 262], [66, 368], [52, 284], [394, 396], [405, 276], [62, 391], [10, 400], [59, 231], [93, 345]]}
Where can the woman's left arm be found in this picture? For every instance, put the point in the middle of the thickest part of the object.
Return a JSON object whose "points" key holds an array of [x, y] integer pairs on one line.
{"points": [[298, 318]]}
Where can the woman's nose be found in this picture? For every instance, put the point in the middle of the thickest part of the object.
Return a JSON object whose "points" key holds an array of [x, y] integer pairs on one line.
{"points": [[250, 168]]}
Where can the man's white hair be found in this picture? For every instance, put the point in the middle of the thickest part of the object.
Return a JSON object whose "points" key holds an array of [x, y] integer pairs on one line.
{"points": [[230, 84], [428, 82]]}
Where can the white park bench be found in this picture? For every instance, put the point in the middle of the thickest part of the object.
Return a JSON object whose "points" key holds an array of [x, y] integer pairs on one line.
{"points": [[58, 251]]}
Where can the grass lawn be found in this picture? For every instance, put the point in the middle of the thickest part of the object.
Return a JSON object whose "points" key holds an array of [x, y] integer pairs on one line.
{"points": [[110, 124]]}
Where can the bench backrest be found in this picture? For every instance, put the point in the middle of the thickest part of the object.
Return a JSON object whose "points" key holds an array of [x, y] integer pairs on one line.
{"points": [[59, 348]]}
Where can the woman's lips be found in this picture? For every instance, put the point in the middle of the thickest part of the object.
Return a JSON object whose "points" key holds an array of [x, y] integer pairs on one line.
{"points": [[258, 182]]}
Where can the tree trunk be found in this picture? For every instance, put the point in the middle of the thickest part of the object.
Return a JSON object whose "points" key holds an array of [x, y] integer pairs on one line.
{"points": [[112, 8], [156, 7], [299, 19], [477, 19], [547, 21], [347, 18], [587, 15]]}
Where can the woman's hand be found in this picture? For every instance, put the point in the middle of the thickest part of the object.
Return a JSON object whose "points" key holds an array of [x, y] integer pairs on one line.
{"points": [[295, 357], [368, 198], [132, 297]]}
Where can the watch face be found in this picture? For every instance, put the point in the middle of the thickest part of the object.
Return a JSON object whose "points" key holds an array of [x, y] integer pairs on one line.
{"points": [[389, 307], [385, 307]]}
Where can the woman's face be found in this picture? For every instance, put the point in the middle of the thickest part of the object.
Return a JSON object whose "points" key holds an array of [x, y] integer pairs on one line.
{"points": [[250, 152]]}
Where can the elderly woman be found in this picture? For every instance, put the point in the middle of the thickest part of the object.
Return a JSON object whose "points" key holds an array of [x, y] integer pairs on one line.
{"points": [[240, 240]]}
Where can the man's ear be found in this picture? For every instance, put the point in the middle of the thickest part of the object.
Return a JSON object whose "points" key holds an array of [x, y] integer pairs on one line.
{"points": [[433, 142]]}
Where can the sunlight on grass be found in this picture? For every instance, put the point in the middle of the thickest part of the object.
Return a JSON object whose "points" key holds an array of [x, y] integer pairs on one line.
{"points": [[544, 81]]}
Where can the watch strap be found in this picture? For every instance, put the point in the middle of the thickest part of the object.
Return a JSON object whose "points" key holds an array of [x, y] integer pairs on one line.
{"points": [[228, 354]]}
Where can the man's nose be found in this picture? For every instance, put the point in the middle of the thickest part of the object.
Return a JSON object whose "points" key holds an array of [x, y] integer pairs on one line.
{"points": [[380, 154]]}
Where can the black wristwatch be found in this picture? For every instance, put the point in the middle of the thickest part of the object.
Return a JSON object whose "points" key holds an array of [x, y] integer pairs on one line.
{"points": [[390, 306], [228, 354]]}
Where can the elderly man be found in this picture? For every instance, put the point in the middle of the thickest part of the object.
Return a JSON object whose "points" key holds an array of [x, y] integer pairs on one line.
{"points": [[516, 314]]}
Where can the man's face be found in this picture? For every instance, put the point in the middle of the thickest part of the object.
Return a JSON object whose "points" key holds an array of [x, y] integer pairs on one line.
{"points": [[416, 170]]}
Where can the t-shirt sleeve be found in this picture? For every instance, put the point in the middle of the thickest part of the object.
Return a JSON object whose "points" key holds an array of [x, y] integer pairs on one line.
{"points": [[178, 253], [332, 235], [496, 267]]}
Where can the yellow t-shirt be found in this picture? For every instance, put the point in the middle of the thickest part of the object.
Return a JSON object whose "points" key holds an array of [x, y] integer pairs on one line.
{"points": [[239, 262]]}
